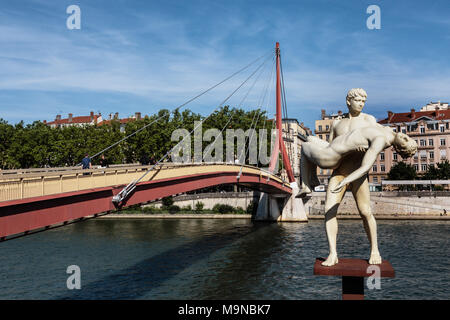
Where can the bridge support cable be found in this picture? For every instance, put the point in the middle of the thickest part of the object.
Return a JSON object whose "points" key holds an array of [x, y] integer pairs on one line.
{"points": [[267, 88], [240, 105], [185, 103], [123, 194], [284, 104], [272, 147]]}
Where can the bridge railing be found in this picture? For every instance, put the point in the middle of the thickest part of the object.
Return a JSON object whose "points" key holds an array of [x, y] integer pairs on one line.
{"points": [[34, 183]]}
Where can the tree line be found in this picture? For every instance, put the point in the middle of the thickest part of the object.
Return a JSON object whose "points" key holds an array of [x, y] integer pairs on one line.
{"points": [[404, 171], [38, 145]]}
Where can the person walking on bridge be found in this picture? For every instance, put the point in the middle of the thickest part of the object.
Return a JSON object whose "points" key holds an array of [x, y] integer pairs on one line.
{"points": [[86, 163]]}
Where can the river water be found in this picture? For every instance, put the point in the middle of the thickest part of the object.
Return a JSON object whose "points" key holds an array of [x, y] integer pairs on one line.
{"points": [[218, 259]]}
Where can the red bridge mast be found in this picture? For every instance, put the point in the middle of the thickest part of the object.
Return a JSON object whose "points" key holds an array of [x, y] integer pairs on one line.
{"points": [[280, 143]]}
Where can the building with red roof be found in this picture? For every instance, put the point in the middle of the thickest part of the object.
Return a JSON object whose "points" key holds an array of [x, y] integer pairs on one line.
{"points": [[430, 128], [92, 119]]}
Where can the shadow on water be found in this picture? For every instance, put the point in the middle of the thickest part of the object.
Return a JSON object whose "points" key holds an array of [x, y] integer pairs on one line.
{"points": [[135, 281], [248, 262]]}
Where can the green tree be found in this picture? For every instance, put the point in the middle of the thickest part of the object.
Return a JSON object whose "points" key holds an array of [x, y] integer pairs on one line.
{"points": [[39, 145], [439, 172], [6, 135], [402, 171]]}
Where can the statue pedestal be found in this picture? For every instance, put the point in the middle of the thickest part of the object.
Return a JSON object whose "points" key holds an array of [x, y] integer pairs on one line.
{"points": [[353, 272]]}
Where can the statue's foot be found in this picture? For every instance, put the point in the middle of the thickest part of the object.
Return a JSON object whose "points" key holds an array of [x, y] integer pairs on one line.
{"points": [[375, 258], [331, 260]]}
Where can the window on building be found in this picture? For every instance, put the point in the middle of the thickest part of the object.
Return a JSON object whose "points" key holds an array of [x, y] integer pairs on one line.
{"points": [[424, 167], [442, 141], [328, 137], [321, 171], [423, 154], [375, 179], [416, 167], [403, 130], [441, 128], [422, 129], [443, 154], [382, 168], [430, 142], [394, 129], [423, 142], [416, 155], [431, 154], [320, 128], [394, 155], [327, 127], [382, 156], [320, 136], [374, 168]]}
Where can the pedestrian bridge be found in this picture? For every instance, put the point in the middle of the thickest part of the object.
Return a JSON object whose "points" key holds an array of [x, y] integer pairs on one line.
{"points": [[39, 198], [24, 184]]}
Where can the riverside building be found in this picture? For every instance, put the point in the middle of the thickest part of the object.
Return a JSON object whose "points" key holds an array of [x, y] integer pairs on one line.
{"points": [[92, 119], [292, 131], [322, 130], [430, 128]]}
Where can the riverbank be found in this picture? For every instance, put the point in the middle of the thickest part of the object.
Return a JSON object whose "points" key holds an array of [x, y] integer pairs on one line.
{"points": [[385, 217], [176, 216], [249, 216]]}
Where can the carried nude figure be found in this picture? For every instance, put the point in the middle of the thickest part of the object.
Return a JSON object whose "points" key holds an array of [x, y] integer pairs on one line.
{"points": [[374, 139], [355, 142]]}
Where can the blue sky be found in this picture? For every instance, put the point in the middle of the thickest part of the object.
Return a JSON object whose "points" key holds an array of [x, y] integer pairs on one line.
{"points": [[141, 56]]}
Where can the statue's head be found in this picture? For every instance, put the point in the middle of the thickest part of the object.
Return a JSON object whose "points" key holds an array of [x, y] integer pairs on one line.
{"points": [[404, 145], [356, 98]]}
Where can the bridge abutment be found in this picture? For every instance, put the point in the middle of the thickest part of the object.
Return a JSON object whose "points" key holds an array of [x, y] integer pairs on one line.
{"points": [[273, 207]]}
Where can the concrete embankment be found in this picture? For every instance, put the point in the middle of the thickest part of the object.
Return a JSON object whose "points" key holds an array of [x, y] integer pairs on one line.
{"points": [[395, 203], [177, 216], [248, 216], [385, 206], [385, 217], [401, 205]]}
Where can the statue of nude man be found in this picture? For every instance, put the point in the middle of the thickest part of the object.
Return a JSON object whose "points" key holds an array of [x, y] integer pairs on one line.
{"points": [[356, 98], [373, 139]]}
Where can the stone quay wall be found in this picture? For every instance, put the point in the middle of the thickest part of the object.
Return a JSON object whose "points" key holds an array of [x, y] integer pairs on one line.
{"points": [[382, 203], [388, 203], [209, 200]]}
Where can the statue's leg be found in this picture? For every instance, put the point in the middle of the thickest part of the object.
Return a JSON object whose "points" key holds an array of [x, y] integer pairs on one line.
{"points": [[361, 194], [305, 174], [314, 179], [331, 207]]}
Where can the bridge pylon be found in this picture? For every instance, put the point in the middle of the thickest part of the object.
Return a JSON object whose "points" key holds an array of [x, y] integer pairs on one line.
{"points": [[273, 207]]}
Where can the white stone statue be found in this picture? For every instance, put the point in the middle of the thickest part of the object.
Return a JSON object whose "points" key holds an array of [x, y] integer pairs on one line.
{"points": [[355, 142]]}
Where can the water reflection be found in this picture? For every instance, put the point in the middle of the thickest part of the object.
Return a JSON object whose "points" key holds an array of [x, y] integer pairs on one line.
{"points": [[217, 259]]}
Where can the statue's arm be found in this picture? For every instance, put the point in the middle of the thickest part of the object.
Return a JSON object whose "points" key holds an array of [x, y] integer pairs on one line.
{"points": [[376, 146], [332, 135]]}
